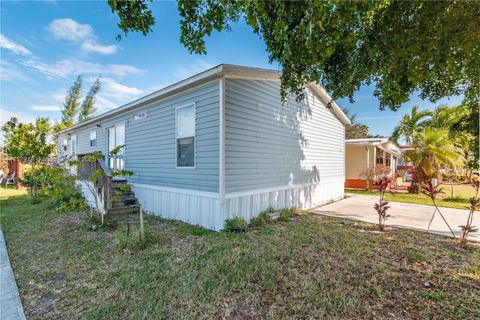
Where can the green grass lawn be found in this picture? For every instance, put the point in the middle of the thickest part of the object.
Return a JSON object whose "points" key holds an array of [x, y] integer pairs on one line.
{"points": [[308, 267], [461, 197]]}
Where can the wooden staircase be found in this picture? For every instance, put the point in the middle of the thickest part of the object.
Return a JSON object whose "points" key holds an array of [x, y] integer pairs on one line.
{"points": [[124, 205]]}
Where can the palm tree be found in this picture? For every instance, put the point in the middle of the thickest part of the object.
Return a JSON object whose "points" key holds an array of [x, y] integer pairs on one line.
{"points": [[443, 117], [410, 125], [434, 149]]}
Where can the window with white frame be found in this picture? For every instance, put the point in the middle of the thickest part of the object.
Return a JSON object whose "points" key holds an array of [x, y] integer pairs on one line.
{"points": [[93, 138], [379, 159], [64, 145], [185, 136]]}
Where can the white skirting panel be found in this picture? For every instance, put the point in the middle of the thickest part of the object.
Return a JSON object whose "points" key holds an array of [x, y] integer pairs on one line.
{"points": [[306, 196], [194, 207], [87, 194]]}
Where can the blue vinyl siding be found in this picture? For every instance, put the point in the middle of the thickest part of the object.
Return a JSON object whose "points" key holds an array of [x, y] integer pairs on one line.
{"points": [[151, 144], [270, 144]]}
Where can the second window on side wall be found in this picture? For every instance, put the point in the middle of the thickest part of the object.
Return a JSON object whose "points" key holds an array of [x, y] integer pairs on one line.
{"points": [[185, 136], [93, 138]]}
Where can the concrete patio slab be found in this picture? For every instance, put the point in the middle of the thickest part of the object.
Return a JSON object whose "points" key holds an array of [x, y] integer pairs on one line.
{"points": [[10, 304], [403, 215]]}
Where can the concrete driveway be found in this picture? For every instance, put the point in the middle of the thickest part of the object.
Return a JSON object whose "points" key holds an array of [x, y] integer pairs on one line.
{"points": [[402, 215]]}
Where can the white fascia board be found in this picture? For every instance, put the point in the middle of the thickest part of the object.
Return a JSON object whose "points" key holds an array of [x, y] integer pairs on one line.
{"points": [[327, 99]]}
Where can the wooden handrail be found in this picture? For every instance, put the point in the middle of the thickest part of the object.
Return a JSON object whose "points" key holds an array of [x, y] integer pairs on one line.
{"points": [[107, 184]]}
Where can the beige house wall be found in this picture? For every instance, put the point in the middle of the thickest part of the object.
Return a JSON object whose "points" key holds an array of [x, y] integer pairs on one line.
{"points": [[356, 161]]}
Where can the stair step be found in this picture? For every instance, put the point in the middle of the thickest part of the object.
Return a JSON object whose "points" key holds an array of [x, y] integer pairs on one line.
{"points": [[124, 202], [124, 210], [128, 194]]}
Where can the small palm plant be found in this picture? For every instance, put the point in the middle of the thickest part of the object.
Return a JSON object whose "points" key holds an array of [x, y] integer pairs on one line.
{"points": [[474, 201], [431, 191], [434, 150], [382, 206]]}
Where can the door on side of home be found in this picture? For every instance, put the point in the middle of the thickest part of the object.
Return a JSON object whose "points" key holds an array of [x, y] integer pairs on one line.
{"points": [[73, 152], [116, 138]]}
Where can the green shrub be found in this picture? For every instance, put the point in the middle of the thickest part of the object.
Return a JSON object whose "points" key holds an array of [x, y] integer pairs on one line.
{"points": [[53, 182], [286, 214], [262, 219], [236, 225], [62, 191], [128, 237], [35, 179]]}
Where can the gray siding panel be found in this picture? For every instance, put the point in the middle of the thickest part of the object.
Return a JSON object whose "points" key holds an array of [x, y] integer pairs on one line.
{"points": [[270, 144], [151, 146]]}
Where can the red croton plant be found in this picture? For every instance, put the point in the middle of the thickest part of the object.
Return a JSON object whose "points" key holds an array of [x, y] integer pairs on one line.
{"points": [[382, 184], [474, 201], [431, 191]]}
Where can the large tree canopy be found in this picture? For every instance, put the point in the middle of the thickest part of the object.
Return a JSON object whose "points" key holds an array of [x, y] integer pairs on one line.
{"points": [[400, 47], [30, 143]]}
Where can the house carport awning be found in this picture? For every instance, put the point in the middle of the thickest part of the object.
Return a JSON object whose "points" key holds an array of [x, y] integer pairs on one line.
{"points": [[391, 149]]}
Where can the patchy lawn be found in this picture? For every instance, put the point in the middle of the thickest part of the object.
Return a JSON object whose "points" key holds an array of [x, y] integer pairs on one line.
{"points": [[461, 196], [308, 267]]}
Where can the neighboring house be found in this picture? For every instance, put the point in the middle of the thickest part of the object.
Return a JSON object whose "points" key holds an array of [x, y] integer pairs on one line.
{"points": [[404, 163], [362, 154], [221, 144], [9, 166]]}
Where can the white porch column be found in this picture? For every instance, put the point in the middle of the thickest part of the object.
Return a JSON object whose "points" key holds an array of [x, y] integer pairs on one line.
{"points": [[368, 167], [392, 164]]}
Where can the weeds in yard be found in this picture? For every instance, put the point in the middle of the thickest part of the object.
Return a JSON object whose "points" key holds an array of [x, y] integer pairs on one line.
{"points": [[414, 255], [129, 238], [308, 268], [286, 214], [94, 223], [262, 219]]}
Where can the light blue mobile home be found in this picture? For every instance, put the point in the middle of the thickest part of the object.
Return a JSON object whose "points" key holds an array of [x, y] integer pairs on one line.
{"points": [[222, 144]]}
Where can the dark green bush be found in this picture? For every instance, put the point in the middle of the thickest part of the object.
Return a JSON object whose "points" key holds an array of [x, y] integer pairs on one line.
{"points": [[236, 225]]}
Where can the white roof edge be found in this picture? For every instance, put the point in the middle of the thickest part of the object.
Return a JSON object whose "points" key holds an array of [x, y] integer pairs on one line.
{"points": [[222, 70], [389, 145], [323, 94], [366, 140]]}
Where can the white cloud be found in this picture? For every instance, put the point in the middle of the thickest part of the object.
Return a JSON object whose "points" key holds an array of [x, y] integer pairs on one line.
{"points": [[10, 72], [68, 29], [65, 68], [82, 34], [16, 48], [50, 108], [192, 69], [89, 46], [117, 90]]}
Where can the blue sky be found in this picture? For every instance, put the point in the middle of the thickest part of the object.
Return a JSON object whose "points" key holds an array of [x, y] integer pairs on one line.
{"points": [[45, 45]]}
